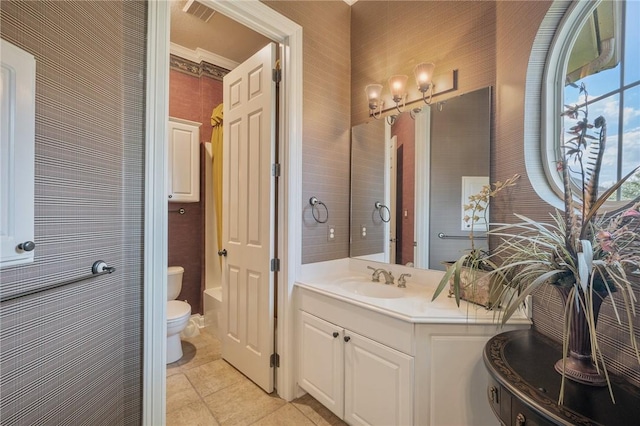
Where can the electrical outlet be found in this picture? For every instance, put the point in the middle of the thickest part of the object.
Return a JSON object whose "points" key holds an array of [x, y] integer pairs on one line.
{"points": [[331, 233]]}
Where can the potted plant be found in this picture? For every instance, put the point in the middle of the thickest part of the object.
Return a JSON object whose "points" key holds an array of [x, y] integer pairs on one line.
{"points": [[468, 277], [583, 254]]}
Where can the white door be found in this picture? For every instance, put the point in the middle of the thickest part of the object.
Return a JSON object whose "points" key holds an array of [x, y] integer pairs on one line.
{"points": [[378, 384], [321, 364], [248, 217]]}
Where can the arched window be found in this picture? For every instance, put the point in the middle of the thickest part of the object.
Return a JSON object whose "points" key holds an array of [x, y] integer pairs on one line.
{"points": [[594, 46]]}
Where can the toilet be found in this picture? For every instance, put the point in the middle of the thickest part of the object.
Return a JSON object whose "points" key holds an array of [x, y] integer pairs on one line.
{"points": [[178, 313]]}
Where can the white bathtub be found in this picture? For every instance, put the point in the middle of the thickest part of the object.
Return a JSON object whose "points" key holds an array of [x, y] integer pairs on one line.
{"points": [[213, 309]]}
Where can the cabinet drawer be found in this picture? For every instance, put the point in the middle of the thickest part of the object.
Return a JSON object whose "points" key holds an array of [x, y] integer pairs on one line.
{"points": [[521, 415]]}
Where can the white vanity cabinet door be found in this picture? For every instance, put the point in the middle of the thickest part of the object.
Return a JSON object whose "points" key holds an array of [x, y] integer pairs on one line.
{"points": [[378, 383], [360, 380], [321, 366], [184, 161]]}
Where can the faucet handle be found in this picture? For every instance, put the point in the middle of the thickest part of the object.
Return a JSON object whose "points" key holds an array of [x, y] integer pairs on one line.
{"points": [[376, 274], [402, 283]]}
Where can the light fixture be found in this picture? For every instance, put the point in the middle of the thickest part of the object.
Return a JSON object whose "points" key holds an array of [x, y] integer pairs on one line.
{"points": [[397, 84], [424, 74], [374, 92]]}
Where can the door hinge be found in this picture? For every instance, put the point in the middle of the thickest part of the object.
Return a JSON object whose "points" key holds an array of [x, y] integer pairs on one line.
{"points": [[276, 75], [275, 265], [275, 169], [275, 360]]}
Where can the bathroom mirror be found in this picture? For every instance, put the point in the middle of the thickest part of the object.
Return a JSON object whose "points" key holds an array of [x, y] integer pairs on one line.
{"points": [[411, 176]]}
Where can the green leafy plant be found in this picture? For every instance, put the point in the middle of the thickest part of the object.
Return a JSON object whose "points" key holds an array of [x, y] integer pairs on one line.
{"points": [[586, 254], [466, 269]]}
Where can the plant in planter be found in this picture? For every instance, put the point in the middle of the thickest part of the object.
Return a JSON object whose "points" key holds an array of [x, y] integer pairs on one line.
{"points": [[468, 277], [585, 256]]}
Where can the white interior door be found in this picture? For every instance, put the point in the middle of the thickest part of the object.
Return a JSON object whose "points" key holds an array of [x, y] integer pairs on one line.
{"points": [[248, 217]]}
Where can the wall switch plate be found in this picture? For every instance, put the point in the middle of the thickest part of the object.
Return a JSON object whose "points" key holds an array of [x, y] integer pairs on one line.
{"points": [[331, 233], [363, 232]]}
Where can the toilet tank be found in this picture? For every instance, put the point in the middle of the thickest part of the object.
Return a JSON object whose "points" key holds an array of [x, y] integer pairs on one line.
{"points": [[174, 281]]}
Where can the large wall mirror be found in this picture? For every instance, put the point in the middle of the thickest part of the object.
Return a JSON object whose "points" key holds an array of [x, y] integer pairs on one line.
{"points": [[410, 177]]}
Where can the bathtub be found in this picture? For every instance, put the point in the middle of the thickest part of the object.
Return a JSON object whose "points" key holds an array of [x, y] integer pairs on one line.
{"points": [[213, 309]]}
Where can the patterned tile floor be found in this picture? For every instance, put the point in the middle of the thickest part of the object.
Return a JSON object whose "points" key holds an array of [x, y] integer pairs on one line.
{"points": [[203, 389]]}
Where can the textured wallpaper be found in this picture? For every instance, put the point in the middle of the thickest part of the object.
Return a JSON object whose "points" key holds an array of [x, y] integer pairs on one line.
{"points": [[326, 123], [367, 187], [73, 355]]}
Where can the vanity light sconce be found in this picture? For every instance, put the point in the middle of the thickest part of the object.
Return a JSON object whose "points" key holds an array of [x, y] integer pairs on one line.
{"points": [[398, 84], [391, 119], [447, 83], [374, 97], [424, 74]]}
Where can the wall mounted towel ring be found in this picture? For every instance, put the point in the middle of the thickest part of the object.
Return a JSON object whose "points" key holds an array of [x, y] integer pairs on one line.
{"points": [[381, 207], [314, 209]]}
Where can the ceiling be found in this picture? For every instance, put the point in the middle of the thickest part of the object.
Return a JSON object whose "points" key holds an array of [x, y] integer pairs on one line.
{"points": [[220, 35]]}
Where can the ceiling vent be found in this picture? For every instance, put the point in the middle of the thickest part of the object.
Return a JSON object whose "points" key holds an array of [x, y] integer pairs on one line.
{"points": [[198, 10]]}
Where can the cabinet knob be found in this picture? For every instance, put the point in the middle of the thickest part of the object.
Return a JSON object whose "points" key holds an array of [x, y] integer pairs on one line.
{"points": [[347, 338], [27, 246], [520, 420], [222, 252], [335, 334]]}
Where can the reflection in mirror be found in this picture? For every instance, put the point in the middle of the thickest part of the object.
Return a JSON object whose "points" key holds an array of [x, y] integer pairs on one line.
{"points": [[408, 181]]}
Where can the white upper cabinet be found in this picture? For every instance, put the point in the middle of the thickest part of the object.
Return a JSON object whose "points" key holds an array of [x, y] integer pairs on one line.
{"points": [[184, 161], [17, 150]]}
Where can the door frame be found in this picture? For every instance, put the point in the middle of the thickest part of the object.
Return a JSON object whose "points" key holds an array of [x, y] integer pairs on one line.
{"points": [[288, 34]]}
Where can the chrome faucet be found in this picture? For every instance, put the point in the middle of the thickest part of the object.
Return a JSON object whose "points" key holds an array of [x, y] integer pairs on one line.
{"points": [[375, 277]]}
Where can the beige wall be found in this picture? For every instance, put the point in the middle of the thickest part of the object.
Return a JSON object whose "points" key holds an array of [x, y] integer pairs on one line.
{"points": [[346, 48], [367, 186], [390, 38], [73, 354], [326, 121]]}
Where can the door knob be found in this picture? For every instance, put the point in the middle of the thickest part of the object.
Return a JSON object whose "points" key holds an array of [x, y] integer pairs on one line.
{"points": [[27, 246], [222, 252], [347, 338], [335, 334]]}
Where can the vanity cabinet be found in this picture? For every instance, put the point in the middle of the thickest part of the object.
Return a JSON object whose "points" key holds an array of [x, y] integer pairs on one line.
{"points": [[184, 161], [418, 363], [361, 380]]}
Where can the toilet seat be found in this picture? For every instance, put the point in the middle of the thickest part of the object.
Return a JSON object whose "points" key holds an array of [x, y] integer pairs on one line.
{"points": [[177, 309]]}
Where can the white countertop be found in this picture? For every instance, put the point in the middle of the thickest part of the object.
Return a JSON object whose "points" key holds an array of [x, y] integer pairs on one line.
{"points": [[415, 305]]}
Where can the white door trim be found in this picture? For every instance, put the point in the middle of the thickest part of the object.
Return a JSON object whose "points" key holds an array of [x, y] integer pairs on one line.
{"points": [[268, 22], [423, 186], [155, 217]]}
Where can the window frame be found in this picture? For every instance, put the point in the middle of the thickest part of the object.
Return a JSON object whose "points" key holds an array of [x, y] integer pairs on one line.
{"points": [[553, 89], [544, 95]]}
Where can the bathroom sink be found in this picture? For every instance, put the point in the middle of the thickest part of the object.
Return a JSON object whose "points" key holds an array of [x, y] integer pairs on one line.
{"points": [[372, 289]]}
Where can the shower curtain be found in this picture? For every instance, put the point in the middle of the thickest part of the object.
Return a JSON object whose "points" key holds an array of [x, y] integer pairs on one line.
{"points": [[216, 149]]}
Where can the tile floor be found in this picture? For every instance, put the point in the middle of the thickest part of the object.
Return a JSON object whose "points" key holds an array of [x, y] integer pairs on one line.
{"points": [[203, 389]]}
